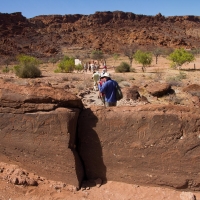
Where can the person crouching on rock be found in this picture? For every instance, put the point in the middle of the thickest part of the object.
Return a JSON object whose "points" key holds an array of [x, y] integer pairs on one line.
{"points": [[108, 88]]}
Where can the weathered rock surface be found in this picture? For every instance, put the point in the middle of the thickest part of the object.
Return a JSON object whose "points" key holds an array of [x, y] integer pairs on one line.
{"points": [[131, 93], [38, 131], [21, 99], [48, 35], [158, 89], [142, 145]]}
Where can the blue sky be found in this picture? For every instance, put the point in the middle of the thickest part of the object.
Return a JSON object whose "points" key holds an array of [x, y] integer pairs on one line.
{"points": [[32, 8]]}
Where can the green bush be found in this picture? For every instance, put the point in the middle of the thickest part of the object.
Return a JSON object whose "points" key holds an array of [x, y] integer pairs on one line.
{"points": [[123, 67], [28, 67], [78, 67], [28, 71], [5, 70], [66, 65]]}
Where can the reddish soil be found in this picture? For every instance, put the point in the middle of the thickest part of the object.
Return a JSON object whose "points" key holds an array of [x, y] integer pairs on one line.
{"points": [[48, 189]]}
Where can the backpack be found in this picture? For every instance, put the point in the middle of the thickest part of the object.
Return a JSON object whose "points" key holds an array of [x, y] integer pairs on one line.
{"points": [[118, 92]]}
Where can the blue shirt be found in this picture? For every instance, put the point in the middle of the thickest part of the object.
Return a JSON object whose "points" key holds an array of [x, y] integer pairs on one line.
{"points": [[109, 89]]}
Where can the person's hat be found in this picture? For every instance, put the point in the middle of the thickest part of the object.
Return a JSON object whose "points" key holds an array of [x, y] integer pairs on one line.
{"points": [[105, 75]]}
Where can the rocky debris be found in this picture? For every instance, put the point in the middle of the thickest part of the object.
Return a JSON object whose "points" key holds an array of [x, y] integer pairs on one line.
{"points": [[98, 182], [87, 184], [195, 100], [18, 176], [187, 196], [143, 99], [46, 35], [158, 89]]}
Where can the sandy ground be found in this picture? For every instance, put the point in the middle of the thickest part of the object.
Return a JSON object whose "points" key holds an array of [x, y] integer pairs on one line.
{"points": [[48, 189], [51, 190]]}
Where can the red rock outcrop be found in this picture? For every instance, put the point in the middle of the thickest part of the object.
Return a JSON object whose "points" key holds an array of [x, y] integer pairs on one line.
{"points": [[21, 99], [47, 35], [151, 144], [38, 131], [158, 89], [141, 145]]}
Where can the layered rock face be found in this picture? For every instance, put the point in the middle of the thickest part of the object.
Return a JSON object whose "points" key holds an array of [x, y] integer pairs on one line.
{"points": [[145, 145], [47, 131], [38, 131], [47, 36]]}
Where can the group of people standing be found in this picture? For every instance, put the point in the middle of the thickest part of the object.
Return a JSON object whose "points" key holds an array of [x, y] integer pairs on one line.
{"points": [[106, 87], [91, 67]]}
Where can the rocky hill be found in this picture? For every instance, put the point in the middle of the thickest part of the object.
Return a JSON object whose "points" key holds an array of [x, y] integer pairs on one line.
{"points": [[47, 35]]}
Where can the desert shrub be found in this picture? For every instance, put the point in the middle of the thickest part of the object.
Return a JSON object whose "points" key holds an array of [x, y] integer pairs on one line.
{"points": [[176, 80], [179, 77], [78, 67], [75, 78], [5, 70], [66, 65], [132, 69], [123, 67], [118, 78], [65, 79], [28, 67]]}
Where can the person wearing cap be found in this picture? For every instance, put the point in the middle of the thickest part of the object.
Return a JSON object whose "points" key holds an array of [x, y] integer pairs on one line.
{"points": [[108, 88]]}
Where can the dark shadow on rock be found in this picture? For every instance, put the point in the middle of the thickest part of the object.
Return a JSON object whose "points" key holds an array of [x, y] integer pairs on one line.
{"points": [[89, 147]]}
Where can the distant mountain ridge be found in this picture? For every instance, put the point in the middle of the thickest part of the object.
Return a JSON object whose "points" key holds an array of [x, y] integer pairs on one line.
{"points": [[47, 35]]}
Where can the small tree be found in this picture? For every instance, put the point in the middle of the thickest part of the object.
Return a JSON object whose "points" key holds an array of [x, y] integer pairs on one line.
{"points": [[28, 67], [180, 57], [157, 52], [144, 58], [129, 51]]}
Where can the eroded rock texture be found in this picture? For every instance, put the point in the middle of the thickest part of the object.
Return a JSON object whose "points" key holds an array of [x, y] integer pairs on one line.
{"points": [[48, 35], [38, 131], [145, 145]]}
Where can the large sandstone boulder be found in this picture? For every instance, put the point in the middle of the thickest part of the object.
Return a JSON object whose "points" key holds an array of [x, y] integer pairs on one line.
{"points": [[144, 145], [131, 93], [158, 89], [38, 131]]}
